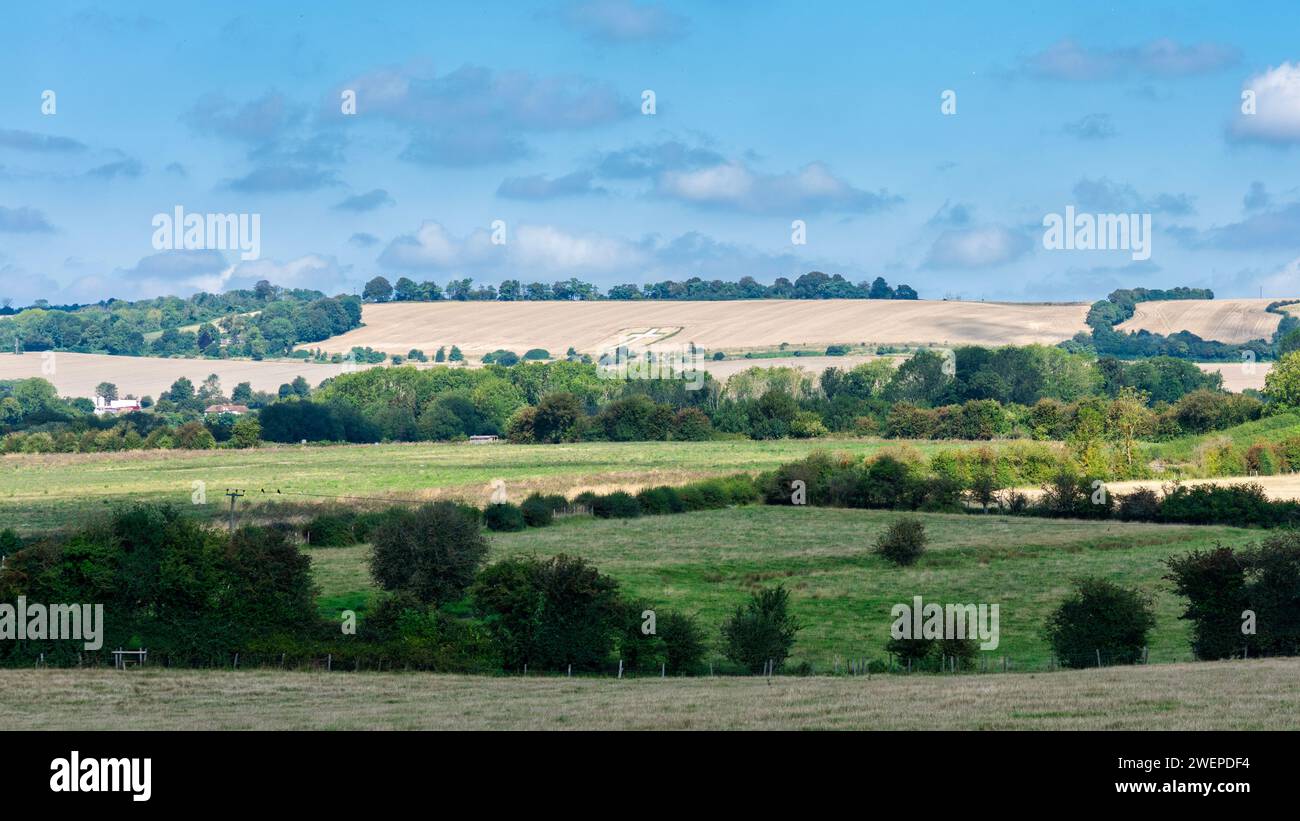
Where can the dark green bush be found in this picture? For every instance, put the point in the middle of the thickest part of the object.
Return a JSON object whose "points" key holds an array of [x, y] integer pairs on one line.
{"points": [[616, 505], [683, 639], [1142, 505], [1100, 621], [761, 630], [1214, 583], [504, 517], [903, 541], [9, 542], [1239, 505], [537, 511], [549, 613], [434, 551], [331, 529], [657, 501]]}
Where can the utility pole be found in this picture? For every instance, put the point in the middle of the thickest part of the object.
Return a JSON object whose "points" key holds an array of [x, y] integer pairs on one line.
{"points": [[233, 494]]}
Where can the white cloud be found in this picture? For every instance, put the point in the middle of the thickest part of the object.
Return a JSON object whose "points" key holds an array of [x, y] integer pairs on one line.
{"points": [[182, 273], [549, 248], [528, 249], [982, 247], [733, 185], [1277, 107]]}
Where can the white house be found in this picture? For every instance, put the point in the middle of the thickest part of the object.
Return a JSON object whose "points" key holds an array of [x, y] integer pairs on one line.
{"points": [[116, 406]]}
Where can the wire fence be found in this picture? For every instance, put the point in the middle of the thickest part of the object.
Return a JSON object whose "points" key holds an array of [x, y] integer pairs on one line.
{"points": [[847, 666]]}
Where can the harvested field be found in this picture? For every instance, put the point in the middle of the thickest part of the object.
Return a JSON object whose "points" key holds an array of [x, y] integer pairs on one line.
{"points": [[1225, 320], [480, 327], [1233, 695], [77, 374], [1237, 378], [1283, 487]]}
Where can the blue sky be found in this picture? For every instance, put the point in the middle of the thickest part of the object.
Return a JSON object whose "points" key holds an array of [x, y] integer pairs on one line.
{"points": [[766, 113]]}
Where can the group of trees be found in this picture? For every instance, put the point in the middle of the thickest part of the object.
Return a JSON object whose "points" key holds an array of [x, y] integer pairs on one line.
{"points": [[812, 285], [263, 321], [1034, 392], [165, 579]]}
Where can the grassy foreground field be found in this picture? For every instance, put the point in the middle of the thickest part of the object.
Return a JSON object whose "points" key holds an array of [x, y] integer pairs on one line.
{"points": [[707, 563], [44, 491], [1249, 695]]}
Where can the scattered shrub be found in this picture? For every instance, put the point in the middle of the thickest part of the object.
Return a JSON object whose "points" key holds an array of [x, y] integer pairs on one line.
{"points": [[903, 541], [433, 551], [537, 511], [504, 517], [761, 630], [549, 613], [1102, 620]]}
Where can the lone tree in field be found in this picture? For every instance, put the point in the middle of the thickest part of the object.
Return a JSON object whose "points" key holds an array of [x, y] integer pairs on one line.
{"points": [[433, 552], [761, 630], [1100, 623], [903, 542], [106, 390]]}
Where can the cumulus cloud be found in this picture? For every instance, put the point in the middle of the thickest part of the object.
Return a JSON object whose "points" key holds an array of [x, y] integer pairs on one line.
{"points": [[368, 201], [734, 186], [541, 187], [256, 121], [363, 240], [23, 220], [623, 21], [316, 271], [1276, 117], [538, 248], [185, 272], [475, 115], [652, 159], [1091, 127], [1069, 60], [544, 251], [984, 246], [1103, 195], [1274, 228]]}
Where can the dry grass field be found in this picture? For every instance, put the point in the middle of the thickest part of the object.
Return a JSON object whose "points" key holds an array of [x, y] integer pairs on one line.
{"points": [[1237, 695], [479, 327], [1225, 320], [77, 374], [1282, 487], [1237, 378], [50, 490]]}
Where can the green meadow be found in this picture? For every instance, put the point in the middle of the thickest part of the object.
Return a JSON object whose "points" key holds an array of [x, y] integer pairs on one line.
{"points": [[707, 563]]}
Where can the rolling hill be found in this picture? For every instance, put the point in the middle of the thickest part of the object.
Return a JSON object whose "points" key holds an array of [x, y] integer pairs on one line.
{"points": [[480, 327]]}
